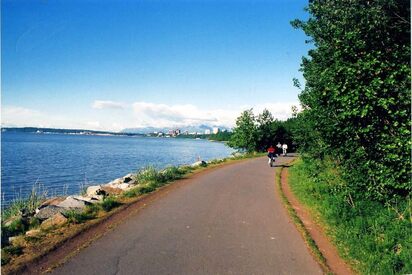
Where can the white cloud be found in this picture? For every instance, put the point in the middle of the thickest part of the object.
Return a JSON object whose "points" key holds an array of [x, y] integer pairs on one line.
{"points": [[162, 115], [107, 104], [149, 114], [22, 117], [138, 114]]}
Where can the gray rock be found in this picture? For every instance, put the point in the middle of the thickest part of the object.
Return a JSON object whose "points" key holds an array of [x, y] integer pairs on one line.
{"points": [[51, 201], [48, 212], [73, 202], [93, 190], [199, 163], [129, 178]]}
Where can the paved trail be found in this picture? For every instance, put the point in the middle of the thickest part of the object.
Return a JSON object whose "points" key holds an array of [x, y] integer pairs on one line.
{"points": [[226, 221]]}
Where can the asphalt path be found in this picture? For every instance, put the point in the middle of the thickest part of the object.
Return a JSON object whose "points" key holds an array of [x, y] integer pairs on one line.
{"points": [[226, 221]]}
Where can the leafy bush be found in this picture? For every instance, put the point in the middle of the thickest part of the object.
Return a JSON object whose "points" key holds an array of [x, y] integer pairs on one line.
{"points": [[376, 237]]}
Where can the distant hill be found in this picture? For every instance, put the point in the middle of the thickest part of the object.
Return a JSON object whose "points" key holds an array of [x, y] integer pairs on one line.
{"points": [[60, 131]]}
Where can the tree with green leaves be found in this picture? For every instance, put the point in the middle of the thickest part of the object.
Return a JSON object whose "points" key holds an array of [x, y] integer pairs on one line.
{"points": [[265, 132], [244, 133], [357, 97]]}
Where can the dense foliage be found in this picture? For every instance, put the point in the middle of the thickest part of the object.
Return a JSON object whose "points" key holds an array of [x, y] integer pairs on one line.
{"points": [[356, 100], [257, 133]]}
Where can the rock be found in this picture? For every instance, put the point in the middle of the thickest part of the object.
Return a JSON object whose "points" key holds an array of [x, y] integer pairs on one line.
{"points": [[17, 241], [48, 212], [123, 186], [33, 233], [89, 200], [129, 178], [73, 202], [52, 201], [110, 190], [56, 220], [199, 163], [93, 190], [116, 181], [97, 198], [13, 239]]}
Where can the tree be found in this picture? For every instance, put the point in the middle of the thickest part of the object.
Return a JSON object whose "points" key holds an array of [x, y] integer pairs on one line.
{"points": [[265, 133], [357, 93], [244, 134]]}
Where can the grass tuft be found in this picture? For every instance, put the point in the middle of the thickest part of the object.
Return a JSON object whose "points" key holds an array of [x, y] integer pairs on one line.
{"points": [[110, 203]]}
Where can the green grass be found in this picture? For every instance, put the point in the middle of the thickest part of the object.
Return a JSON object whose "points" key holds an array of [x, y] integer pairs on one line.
{"points": [[30, 203], [109, 203], [375, 238], [77, 216]]}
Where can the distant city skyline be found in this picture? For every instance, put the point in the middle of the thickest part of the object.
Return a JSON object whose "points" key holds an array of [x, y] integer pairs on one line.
{"points": [[108, 65]]}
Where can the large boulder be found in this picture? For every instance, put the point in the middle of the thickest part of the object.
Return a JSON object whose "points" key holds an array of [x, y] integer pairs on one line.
{"points": [[74, 202], [57, 220], [89, 200], [94, 190], [48, 212], [110, 190], [129, 178], [199, 163]]}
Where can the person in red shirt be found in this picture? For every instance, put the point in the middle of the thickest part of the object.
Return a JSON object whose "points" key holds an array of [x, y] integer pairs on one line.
{"points": [[271, 151], [271, 155]]}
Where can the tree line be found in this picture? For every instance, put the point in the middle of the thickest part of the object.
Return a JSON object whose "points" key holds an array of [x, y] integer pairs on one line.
{"points": [[259, 132], [356, 98]]}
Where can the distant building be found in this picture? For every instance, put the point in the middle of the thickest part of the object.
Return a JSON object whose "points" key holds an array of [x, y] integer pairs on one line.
{"points": [[215, 130], [186, 132], [207, 132]]}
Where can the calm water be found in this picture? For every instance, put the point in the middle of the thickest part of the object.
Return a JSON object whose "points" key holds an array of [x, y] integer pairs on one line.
{"points": [[63, 164]]}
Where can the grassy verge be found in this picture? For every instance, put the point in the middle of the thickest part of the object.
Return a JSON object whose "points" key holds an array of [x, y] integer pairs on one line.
{"points": [[149, 179], [374, 238], [299, 224]]}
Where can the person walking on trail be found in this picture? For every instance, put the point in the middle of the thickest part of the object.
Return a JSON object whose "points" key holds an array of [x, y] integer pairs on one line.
{"points": [[285, 148], [279, 146]]}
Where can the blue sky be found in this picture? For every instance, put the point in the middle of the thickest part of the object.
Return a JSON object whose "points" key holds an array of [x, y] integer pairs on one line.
{"points": [[112, 65]]}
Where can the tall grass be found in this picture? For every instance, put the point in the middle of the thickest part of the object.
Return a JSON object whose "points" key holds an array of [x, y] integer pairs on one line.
{"points": [[29, 203], [375, 238]]}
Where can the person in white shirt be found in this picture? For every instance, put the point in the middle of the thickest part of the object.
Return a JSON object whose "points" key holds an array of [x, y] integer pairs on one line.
{"points": [[285, 148]]}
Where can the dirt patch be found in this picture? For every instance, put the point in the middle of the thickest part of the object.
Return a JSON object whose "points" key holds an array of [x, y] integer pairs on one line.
{"points": [[329, 251]]}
